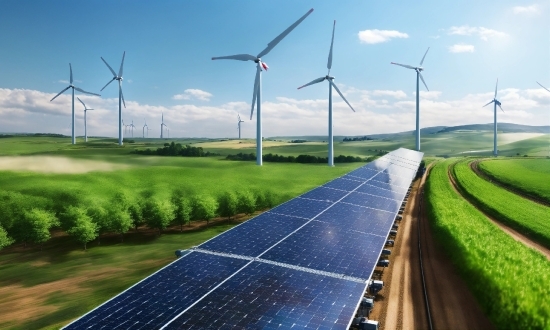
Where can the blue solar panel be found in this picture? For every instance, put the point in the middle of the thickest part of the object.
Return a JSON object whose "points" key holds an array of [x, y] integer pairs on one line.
{"points": [[152, 302], [325, 194], [373, 190], [301, 207], [343, 184], [392, 179], [265, 296], [379, 203], [329, 247], [254, 236], [358, 218], [397, 189], [364, 173]]}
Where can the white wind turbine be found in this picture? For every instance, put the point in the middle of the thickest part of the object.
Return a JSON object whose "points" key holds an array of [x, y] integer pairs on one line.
{"points": [[73, 140], [496, 102], [257, 93], [144, 129], [418, 69], [132, 127], [85, 127], [543, 86], [120, 95], [330, 85], [161, 127], [239, 125]]}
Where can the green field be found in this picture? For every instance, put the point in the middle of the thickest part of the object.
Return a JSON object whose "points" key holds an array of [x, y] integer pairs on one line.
{"points": [[509, 280], [526, 216], [530, 176]]}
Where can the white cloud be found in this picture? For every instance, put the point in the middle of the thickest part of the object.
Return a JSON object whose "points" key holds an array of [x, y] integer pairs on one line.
{"points": [[532, 9], [461, 48], [378, 36], [481, 32], [395, 94], [190, 94]]}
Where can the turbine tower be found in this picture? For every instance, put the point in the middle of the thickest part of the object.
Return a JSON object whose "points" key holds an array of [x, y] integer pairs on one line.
{"points": [[144, 129], [418, 69], [124, 128], [120, 95], [330, 85], [73, 140], [85, 127], [543, 86], [257, 93], [496, 102], [239, 125], [131, 126], [161, 125]]}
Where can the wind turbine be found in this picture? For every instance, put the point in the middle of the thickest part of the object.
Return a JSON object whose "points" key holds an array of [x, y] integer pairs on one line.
{"points": [[330, 85], [161, 125], [144, 129], [85, 127], [73, 140], [257, 93], [120, 95], [148, 129], [496, 102], [239, 125], [543, 86], [418, 69], [132, 127]]}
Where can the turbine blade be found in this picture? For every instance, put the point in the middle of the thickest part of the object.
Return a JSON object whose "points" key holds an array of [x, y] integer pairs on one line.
{"points": [[424, 56], [543, 86], [60, 93], [329, 63], [342, 96], [254, 94], [122, 96], [89, 109], [107, 64], [318, 80], [71, 69], [121, 64], [83, 91], [238, 57], [281, 36], [110, 81], [82, 102], [496, 86], [404, 65], [500, 107], [422, 78], [487, 104]]}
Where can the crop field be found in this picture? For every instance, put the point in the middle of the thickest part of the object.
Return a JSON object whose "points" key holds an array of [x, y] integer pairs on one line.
{"points": [[526, 216], [530, 176], [508, 279]]}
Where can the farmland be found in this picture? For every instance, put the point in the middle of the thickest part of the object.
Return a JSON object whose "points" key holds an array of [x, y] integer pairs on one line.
{"points": [[529, 176], [526, 216], [507, 278]]}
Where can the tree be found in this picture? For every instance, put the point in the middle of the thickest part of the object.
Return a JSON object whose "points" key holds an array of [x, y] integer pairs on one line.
{"points": [[182, 208], [204, 208], [120, 220], [5, 240], [121, 200], [84, 230], [136, 214], [246, 203], [100, 218], [35, 226], [227, 205], [157, 214]]}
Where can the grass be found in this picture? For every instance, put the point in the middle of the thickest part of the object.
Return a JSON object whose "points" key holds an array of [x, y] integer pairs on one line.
{"points": [[530, 176], [509, 280], [529, 218]]}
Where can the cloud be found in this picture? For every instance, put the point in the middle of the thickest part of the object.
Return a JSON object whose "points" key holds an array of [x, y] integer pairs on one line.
{"points": [[461, 48], [532, 9], [378, 36], [63, 81], [481, 32], [190, 94], [395, 94]]}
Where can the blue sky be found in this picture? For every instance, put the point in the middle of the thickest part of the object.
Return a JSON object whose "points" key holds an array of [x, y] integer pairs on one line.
{"points": [[168, 67]]}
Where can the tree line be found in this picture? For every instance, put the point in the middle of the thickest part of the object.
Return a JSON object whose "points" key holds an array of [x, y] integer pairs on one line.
{"points": [[361, 138], [304, 159], [29, 219], [176, 149]]}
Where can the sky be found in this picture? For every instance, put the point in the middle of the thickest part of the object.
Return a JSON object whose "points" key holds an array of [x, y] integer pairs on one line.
{"points": [[168, 67]]}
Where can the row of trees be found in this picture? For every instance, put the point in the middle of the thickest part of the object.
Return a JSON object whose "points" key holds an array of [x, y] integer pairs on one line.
{"points": [[176, 149], [31, 223], [304, 159], [361, 138]]}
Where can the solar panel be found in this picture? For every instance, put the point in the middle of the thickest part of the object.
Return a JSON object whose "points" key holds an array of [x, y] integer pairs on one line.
{"points": [[303, 264]]}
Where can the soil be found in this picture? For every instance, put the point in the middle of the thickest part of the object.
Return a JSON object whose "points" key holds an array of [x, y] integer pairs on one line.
{"points": [[401, 304]]}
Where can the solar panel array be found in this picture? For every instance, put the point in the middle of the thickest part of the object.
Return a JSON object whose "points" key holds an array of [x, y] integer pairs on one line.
{"points": [[303, 264]]}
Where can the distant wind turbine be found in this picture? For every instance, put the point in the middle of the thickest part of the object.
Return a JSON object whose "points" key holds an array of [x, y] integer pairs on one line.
{"points": [[132, 127], [418, 69], [73, 140], [161, 127], [86, 109], [543, 86], [257, 93], [120, 95], [330, 85], [239, 125], [144, 129], [496, 102]]}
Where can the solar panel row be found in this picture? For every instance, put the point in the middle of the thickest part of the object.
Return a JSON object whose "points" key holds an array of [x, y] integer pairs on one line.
{"points": [[303, 264]]}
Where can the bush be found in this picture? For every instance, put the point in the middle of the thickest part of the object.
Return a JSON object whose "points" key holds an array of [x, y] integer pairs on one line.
{"points": [[227, 205], [5, 240], [204, 208], [246, 203], [84, 230], [182, 209], [157, 214]]}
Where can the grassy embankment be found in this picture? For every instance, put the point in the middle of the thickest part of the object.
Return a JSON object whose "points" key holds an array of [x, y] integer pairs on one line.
{"points": [[529, 176], [509, 280], [527, 217]]}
